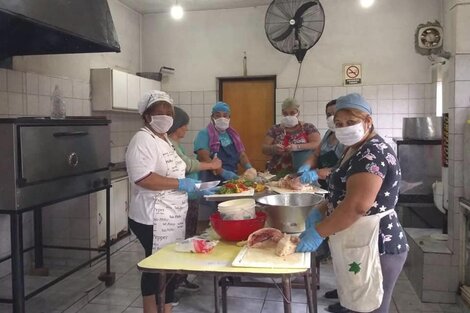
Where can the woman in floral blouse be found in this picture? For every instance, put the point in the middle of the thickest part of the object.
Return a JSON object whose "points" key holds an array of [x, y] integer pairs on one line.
{"points": [[366, 182]]}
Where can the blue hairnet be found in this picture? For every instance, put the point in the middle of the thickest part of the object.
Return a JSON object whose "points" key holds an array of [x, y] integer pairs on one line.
{"points": [[221, 107], [353, 101]]}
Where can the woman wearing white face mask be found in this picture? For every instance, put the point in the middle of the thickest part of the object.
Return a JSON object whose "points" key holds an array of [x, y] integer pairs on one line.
{"points": [[367, 242], [220, 140], [158, 189], [290, 143]]}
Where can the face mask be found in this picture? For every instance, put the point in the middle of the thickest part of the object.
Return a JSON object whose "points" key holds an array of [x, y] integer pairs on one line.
{"points": [[330, 123], [350, 135], [222, 123], [289, 121], [161, 123]]}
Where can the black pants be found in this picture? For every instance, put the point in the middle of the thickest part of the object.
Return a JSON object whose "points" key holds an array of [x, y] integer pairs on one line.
{"points": [[149, 282]]}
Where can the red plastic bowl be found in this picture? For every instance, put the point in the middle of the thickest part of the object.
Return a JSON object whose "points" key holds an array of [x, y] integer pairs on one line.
{"points": [[237, 230]]}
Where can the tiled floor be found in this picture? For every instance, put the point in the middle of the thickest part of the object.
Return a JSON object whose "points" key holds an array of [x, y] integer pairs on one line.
{"points": [[83, 293]]}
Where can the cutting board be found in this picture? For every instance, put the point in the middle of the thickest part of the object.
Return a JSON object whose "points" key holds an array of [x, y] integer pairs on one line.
{"points": [[314, 190], [229, 196], [252, 257]]}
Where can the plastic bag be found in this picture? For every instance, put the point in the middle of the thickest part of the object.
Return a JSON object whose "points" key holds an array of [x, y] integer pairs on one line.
{"points": [[196, 245]]}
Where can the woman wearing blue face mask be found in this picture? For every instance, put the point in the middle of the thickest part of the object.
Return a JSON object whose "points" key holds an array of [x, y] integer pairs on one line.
{"points": [[159, 189], [220, 140], [367, 242], [291, 142]]}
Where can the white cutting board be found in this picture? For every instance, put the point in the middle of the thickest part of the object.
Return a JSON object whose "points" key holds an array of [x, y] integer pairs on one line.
{"points": [[252, 257], [314, 190]]}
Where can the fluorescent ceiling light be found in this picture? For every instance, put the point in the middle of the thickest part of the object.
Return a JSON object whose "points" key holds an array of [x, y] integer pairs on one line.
{"points": [[177, 12], [367, 3]]}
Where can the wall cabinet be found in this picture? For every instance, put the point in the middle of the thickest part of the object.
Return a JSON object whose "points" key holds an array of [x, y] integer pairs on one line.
{"points": [[114, 90], [119, 202]]}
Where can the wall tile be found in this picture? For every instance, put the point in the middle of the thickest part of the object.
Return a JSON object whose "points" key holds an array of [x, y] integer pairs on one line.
{"points": [[196, 123], [208, 110], [461, 115], [373, 105], [3, 79], [299, 94], [354, 89], [197, 97], [86, 107], [186, 108], [77, 89], [3, 103], [416, 91], [385, 92], [321, 123], [398, 120], [76, 107], [32, 103], [32, 83], [385, 121], [400, 106], [400, 91], [210, 97], [310, 94], [310, 119], [462, 67], [458, 147], [197, 110], [44, 107], [325, 94], [462, 94], [338, 92], [86, 90], [281, 94], [458, 173], [416, 106], [44, 84], [397, 133], [15, 104], [385, 106], [370, 92], [185, 97], [15, 81], [175, 96], [429, 91], [309, 107]]}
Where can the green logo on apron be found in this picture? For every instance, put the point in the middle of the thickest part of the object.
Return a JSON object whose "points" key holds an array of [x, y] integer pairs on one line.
{"points": [[354, 267]]}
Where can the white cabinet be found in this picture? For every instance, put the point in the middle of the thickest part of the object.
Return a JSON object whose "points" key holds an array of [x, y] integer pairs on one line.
{"points": [[119, 206], [116, 90]]}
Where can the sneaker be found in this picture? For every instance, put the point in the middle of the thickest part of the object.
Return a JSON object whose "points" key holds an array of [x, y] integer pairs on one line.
{"points": [[337, 308], [332, 294], [189, 286]]}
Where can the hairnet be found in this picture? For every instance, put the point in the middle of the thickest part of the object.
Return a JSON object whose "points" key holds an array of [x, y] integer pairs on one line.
{"points": [[180, 119], [221, 107], [290, 103], [353, 101], [150, 97]]}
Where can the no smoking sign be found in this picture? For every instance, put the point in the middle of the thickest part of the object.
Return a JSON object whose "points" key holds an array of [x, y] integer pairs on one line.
{"points": [[352, 74]]}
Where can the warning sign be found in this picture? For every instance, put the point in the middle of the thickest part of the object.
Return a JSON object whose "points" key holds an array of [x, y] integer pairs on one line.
{"points": [[352, 74]]}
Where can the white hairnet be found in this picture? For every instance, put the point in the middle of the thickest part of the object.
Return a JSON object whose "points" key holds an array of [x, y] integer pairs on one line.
{"points": [[150, 97]]}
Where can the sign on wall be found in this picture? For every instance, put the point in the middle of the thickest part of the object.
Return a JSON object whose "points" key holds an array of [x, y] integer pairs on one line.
{"points": [[352, 74]]}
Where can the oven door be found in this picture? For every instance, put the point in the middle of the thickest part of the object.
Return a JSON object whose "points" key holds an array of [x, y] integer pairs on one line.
{"points": [[51, 152]]}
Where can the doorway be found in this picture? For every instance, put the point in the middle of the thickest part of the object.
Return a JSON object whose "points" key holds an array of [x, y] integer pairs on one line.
{"points": [[252, 102]]}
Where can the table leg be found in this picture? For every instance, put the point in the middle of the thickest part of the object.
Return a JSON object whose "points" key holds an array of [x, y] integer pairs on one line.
{"points": [[216, 294], [224, 296], [17, 274], [308, 289], [161, 293], [286, 290]]}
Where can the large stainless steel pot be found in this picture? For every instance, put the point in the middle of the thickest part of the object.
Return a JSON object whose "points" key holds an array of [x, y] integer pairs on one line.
{"points": [[287, 212], [423, 128]]}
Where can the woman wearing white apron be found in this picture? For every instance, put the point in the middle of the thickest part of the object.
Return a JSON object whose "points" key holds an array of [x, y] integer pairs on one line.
{"points": [[159, 200], [367, 242]]}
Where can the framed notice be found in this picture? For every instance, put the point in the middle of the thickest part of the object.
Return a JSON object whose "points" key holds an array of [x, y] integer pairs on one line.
{"points": [[352, 74]]}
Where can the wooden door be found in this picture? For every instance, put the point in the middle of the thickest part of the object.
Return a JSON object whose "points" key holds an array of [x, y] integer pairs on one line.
{"points": [[252, 102]]}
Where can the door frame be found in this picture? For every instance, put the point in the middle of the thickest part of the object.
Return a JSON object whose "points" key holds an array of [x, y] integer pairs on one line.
{"points": [[271, 78]]}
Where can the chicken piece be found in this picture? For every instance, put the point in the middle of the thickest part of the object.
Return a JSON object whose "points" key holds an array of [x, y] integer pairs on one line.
{"points": [[264, 238], [293, 183], [287, 245]]}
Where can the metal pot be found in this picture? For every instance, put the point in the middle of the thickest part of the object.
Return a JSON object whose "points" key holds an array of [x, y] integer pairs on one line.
{"points": [[287, 212], [422, 128]]}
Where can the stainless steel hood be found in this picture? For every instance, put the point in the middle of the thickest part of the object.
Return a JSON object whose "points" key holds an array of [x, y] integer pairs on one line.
{"points": [[31, 27]]}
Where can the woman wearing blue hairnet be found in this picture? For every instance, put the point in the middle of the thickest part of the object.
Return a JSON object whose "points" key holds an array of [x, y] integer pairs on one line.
{"points": [[367, 242], [220, 140]]}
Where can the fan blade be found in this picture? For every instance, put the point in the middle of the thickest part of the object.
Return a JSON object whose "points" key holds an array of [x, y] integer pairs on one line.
{"points": [[285, 34], [302, 9]]}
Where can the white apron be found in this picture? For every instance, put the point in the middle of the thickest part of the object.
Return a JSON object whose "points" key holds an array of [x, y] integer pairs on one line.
{"points": [[356, 263], [170, 206]]}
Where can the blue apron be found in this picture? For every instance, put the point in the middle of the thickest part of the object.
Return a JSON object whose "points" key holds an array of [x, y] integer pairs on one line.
{"points": [[229, 157]]}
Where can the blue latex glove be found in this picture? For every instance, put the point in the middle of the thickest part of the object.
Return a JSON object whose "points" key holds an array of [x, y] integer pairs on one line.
{"points": [[207, 192], [309, 177], [187, 184], [310, 240], [304, 168], [228, 175], [248, 166], [313, 218]]}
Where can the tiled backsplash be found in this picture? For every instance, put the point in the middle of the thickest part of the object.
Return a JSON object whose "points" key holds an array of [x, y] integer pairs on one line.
{"points": [[390, 103]]}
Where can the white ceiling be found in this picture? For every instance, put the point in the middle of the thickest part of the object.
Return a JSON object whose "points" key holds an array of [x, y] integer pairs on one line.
{"points": [[158, 6]]}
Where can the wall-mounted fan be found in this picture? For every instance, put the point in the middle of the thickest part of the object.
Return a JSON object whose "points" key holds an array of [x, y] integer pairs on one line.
{"points": [[294, 26], [429, 40]]}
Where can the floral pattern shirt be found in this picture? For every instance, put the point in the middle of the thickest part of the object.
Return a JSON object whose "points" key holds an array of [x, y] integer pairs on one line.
{"points": [[378, 158]]}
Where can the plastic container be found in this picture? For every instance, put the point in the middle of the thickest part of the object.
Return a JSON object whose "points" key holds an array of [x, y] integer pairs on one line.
{"points": [[241, 209], [466, 159], [57, 104], [237, 230]]}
